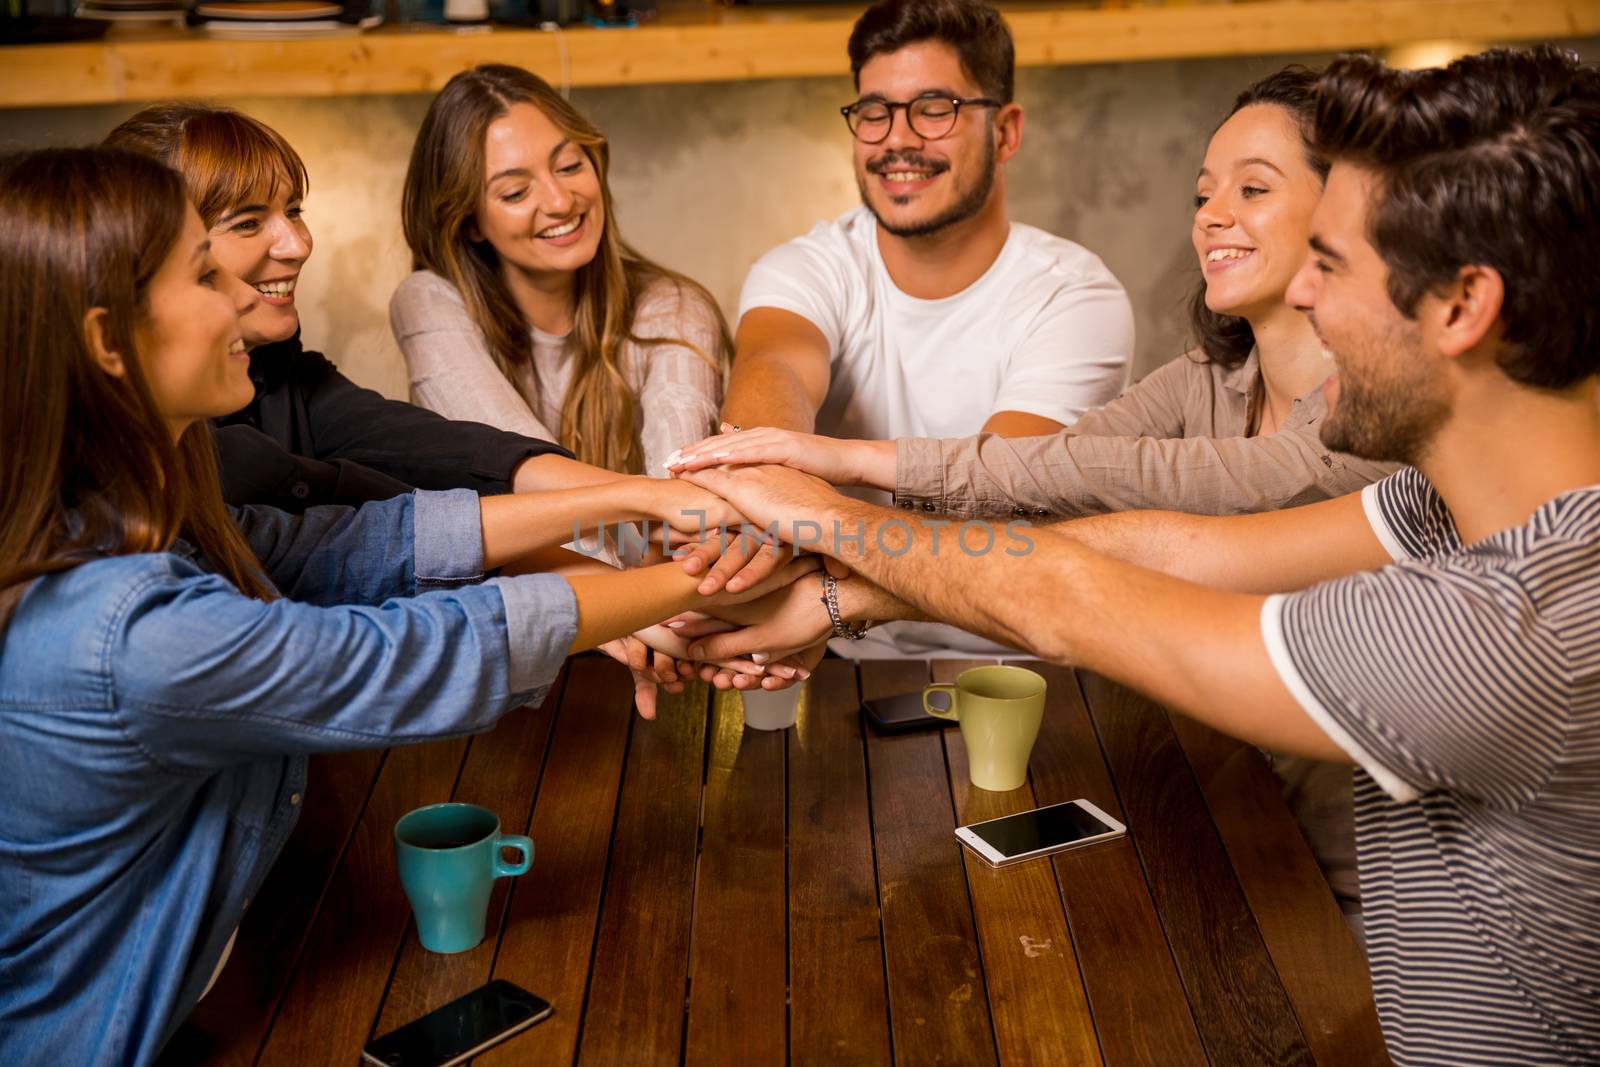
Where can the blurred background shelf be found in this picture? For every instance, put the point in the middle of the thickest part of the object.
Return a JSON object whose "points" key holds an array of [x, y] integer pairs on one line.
{"points": [[696, 43]]}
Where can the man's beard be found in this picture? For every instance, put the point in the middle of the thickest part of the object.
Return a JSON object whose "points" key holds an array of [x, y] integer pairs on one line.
{"points": [[1389, 418], [967, 205]]}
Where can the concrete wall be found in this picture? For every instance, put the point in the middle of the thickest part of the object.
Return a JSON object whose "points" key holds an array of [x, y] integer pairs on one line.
{"points": [[707, 177]]}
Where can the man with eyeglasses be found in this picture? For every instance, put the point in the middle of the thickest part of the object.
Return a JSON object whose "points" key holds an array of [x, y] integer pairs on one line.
{"points": [[926, 312]]}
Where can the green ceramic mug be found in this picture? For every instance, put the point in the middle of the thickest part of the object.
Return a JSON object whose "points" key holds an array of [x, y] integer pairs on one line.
{"points": [[999, 709], [450, 856]]}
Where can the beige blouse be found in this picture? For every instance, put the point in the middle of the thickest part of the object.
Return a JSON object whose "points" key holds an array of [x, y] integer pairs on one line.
{"points": [[676, 390]]}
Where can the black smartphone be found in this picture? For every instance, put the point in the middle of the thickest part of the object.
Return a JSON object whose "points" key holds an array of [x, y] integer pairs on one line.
{"points": [[461, 1029], [900, 714]]}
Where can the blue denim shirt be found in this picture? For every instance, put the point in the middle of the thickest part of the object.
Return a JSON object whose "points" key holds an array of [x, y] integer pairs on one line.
{"points": [[153, 726]]}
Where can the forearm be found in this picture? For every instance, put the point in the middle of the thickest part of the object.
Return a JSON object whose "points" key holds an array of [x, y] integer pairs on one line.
{"points": [[766, 391], [1197, 650], [618, 603], [558, 472], [518, 524], [862, 600], [562, 561]]}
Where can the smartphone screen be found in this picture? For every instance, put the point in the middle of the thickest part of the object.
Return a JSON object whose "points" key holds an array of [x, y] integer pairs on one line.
{"points": [[1043, 829], [460, 1029]]}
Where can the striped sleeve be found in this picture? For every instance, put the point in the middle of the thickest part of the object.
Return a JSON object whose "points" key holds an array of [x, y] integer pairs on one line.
{"points": [[1427, 678]]}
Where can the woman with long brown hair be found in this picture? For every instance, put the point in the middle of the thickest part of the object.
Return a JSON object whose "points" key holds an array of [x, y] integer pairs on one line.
{"points": [[311, 436], [528, 310], [164, 671]]}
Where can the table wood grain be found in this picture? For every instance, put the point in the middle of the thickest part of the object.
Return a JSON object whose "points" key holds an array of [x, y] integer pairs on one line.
{"points": [[706, 894]]}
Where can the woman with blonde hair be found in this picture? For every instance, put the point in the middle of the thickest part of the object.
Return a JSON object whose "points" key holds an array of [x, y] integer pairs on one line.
{"points": [[528, 310]]}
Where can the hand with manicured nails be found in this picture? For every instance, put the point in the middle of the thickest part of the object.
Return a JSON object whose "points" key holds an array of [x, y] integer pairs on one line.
{"points": [[836, 461]]}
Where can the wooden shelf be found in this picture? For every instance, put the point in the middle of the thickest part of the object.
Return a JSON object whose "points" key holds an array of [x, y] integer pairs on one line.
{"points": [[699, 44]]}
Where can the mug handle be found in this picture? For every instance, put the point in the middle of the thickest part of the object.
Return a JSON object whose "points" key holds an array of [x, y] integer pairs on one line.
{"points": [[524, 845], [943, 713]]}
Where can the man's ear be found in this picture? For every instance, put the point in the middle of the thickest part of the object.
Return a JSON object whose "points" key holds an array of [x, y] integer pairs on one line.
{"points": [[1469, 309], [1008, 132], [94, 335]]}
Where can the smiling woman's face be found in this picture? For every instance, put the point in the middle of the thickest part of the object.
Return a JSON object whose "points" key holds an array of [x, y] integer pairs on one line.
{"points": [[540, 206], [1254, 199], [189, 339], [264, 242]]}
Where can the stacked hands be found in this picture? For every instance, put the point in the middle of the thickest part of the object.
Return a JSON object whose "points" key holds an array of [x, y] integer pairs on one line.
{"points": [[763, 623]]}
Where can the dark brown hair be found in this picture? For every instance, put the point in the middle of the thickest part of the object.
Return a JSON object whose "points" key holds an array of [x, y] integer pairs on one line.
{"points": [[442, 189], [1228, 339], [226, 157], [1492, 161], [87, 465], [973, 28]]}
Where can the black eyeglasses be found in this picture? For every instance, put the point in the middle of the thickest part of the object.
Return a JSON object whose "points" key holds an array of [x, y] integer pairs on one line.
{"points": [[931, 116]]}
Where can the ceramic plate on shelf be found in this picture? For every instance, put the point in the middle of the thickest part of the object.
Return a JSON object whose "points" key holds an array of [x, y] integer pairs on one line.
{"points": [[269, 10], [229, 30]]}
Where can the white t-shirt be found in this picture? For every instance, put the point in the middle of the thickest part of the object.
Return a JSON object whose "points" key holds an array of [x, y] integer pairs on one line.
{"points": [[1047, 330]]}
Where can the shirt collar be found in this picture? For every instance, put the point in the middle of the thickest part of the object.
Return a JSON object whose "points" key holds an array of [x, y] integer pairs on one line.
{"points": [[1242, 377]]}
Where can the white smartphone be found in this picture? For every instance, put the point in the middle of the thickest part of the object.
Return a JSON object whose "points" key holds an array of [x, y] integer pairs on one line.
{"points": [[1039, 832]]}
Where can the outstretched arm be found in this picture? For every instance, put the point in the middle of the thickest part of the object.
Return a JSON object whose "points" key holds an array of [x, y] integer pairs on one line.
{"points": [[1196, 648]]}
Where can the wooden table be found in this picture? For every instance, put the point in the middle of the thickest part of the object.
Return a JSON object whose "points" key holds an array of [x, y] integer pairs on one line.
{"points": [[707, 895]]}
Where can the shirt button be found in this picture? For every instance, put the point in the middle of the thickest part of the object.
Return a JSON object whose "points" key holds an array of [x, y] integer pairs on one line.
{"points": [[300, 490], [1019, 511], [1041, 511], [294, 800], [928, 506]]}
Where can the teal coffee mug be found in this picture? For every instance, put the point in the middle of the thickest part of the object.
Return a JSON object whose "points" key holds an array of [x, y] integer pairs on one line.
{"points": [[450, 856]]}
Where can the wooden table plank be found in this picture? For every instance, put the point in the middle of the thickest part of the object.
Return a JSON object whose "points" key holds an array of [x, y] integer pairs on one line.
{"points": [[737, 990], [938, 1003], [1141, 1013], [1243, 1014], [1041, 1013], [336, 991], [839, 1008], [502, 774], [230, 1024], [548, 939], [635, 1012], [1317, 959]]}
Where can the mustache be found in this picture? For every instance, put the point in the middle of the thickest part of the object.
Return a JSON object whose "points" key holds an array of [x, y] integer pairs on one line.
{"points": [[906, 161]]}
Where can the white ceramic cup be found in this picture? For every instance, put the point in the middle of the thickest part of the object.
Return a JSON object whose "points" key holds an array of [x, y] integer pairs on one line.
{"points": [[766, 709]]}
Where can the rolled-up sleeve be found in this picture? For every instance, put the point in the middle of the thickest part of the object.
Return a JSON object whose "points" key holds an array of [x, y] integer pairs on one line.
{"points": [[388, 548], [541, 621]]}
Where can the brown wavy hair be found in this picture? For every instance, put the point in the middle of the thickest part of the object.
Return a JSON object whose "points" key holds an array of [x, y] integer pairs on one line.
{"points": [[226, 157], [1228, 339], [442, 188], [87, 466]]}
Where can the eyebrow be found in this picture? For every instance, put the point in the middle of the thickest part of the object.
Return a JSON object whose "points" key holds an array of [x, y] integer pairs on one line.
{"points": [[1248, 161], [1320, 247], [243, 210], [937, 90]]}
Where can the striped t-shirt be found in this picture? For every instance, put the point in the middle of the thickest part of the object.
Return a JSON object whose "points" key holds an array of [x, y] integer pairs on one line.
{"points": [[1465, 684]]}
